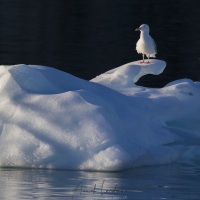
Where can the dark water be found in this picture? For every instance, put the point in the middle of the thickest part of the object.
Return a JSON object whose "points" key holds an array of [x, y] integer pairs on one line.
{"points": [[172, 182], [89, 37]]}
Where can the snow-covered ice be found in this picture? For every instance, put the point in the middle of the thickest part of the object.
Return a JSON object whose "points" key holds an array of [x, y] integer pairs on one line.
{"points": [[51, 119]]}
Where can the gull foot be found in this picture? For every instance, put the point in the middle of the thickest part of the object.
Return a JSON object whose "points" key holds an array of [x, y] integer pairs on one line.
{"points": [[142, 62]]}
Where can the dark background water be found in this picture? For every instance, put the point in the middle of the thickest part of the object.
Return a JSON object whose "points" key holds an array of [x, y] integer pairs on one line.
{"points": [[88, 37]]}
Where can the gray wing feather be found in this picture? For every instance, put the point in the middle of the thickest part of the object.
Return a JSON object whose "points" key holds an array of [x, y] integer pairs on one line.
{"points": [[155, 47]]}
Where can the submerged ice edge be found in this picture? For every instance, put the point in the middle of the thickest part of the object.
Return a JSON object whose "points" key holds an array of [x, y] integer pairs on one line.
{"points": [[51, 119]]}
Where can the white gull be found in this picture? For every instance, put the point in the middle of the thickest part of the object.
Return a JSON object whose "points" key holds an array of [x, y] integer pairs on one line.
{"points": [[146, 44]]}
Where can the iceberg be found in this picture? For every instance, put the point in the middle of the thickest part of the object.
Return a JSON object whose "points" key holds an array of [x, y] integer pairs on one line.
{"points": [[51, 119]]}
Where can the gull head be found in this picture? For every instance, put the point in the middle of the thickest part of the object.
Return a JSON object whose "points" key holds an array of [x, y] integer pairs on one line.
{"points": [[143, 28]]}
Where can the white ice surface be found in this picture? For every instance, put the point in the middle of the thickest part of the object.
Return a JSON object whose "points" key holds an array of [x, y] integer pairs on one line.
{"points": [[51, 119]]}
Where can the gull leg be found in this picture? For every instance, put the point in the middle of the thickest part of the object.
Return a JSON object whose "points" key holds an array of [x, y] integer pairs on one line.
{"points": [[148, 59], [142, 59]]}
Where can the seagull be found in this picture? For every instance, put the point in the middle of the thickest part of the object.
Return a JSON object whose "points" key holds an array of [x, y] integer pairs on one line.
{"points": [[146, 44]]}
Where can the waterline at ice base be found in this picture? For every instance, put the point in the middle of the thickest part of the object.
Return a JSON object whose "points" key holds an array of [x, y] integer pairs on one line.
{"points": [[51, 119]]}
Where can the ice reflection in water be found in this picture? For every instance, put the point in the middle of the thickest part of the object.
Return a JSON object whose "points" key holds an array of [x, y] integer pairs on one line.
{"points": [[163, 182]]}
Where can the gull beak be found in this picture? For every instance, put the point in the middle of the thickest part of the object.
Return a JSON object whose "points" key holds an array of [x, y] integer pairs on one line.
{"points": [[137, 29]]}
